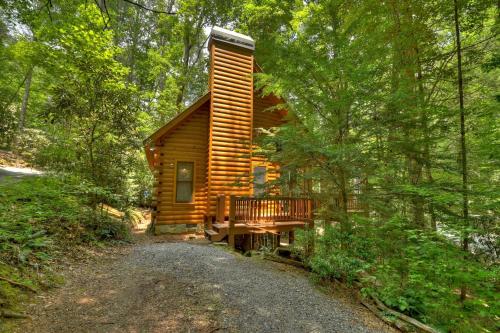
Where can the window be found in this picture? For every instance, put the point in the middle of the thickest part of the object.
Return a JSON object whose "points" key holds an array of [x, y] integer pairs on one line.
{"points": [[184, 182], [259, 180]]}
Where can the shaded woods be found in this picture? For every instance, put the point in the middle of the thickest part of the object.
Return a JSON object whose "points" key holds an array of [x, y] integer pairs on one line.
{"points": [[395, 103]]}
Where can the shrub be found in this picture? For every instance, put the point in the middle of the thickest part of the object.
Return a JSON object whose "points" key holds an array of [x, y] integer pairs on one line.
{"points": [[39, 212], [417, 272], [41, 218]]}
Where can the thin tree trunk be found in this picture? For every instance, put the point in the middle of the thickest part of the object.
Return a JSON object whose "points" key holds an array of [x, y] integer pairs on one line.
{"points": [[26, 96], [185, 68], [90, 146], [343, 192], [463, 147], [404, 85], [425, 126], [13, 97]]}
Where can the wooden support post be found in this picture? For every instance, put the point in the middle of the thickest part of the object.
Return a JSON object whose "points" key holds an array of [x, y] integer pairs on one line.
{"points": [[232, 213], [208, 222], [310, 215], [221, 208], [291, 237]]}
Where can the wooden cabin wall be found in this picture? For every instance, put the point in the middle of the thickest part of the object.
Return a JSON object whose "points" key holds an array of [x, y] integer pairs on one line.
{"points": [[264, 115], [187, 142], [231, 86]]}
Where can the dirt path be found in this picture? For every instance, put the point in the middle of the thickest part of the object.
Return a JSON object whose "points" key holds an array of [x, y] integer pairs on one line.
{"points": [[12, 165], [166, 286], [9, 171]]}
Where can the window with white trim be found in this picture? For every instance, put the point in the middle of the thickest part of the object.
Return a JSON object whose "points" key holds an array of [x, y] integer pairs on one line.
{"points": [[184, 182]]}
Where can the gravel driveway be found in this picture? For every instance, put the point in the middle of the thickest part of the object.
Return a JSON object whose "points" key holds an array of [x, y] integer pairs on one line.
{"points": [[192, 287]]}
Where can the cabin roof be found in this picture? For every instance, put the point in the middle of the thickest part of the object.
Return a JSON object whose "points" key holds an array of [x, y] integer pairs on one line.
{"points": [[178, 119]]}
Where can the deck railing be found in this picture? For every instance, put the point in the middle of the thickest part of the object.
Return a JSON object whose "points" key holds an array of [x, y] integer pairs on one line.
{"points": [[251, 210], [270, 210]]}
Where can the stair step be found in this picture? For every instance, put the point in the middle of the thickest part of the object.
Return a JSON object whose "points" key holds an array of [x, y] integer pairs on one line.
{"points": [[211, 232], [218, 226], [215, 236]]}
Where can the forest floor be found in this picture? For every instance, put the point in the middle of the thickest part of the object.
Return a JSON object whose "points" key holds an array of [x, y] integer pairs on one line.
{"points": [[160, 284]]}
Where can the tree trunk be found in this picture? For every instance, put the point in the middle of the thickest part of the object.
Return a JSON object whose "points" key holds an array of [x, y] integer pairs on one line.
{"points": [[463, 147], [404, 87], [427, 136], [26, 96], [185, 68]]}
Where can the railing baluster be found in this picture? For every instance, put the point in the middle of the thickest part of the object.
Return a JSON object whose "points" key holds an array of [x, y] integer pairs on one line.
{"points": [[252, 214], [297, 208], [259, 210], [302, 209], [280, 209], [249, 210]]}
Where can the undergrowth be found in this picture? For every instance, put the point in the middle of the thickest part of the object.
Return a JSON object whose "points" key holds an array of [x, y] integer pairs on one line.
{"points": [[416, 272], [41, 220]]}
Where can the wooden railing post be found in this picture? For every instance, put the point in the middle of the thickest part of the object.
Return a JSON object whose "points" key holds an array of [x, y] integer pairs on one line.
{"points": [[310, 209], [232, 213], [221, 208]]}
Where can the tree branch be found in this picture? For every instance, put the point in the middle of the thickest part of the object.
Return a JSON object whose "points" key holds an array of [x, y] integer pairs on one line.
{"points": [[149, 9], [17, 284]]}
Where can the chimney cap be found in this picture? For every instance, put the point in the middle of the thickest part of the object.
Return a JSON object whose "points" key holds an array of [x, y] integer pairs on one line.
{"points": [[231, 37]]}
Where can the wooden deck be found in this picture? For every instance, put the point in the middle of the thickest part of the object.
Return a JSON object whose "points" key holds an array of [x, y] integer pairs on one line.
{"points": [[267, 215], [256, 228], [249, 216]]}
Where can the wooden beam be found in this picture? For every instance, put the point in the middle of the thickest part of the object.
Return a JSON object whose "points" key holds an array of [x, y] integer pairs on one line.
{"points": [[221, 208], [232, 213]]}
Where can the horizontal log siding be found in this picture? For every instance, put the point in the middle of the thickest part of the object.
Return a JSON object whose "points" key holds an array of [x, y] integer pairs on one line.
{"points": [[187, 142], [263, 117], [231, 86]]}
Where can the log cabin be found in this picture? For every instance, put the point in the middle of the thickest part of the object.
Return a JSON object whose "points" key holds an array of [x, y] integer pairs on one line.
{"points": [[208, 176]]}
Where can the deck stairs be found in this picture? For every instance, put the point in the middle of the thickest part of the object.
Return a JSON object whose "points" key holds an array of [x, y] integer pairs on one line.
{"points": [[217, 233]]}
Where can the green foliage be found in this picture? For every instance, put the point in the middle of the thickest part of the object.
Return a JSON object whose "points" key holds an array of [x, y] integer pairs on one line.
{"points": [[32, 143], [40, 214], [414, 271], [101, 83], [371, 90], [371, 93], [92, 109], [41, 219]]}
